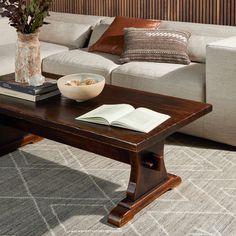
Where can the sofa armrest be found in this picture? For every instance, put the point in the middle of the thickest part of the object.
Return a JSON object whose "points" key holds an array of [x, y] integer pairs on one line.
{"points": [[221, 90]]}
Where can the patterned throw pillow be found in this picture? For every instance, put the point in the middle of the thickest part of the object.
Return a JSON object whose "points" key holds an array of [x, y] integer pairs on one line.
{"points": [[167, 46]]}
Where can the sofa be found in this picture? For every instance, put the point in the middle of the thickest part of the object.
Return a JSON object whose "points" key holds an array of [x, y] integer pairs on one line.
{"points": [[210, 77]]}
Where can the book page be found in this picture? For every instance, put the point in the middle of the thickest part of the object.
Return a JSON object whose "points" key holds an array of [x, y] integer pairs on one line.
{"points": [[141, 119], [106, 114]]}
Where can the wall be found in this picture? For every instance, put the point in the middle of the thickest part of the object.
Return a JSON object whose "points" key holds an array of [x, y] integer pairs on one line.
{"points": [[203, 11]]}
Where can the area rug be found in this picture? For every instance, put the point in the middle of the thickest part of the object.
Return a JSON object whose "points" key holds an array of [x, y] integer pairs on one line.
{"points": [[52, 189]]}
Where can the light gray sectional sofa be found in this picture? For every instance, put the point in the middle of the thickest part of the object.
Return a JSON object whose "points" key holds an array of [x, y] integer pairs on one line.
{"points": [[211, 77]]}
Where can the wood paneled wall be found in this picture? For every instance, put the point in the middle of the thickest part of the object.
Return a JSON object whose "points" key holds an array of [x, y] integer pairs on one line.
{"points": [[202, 11]]}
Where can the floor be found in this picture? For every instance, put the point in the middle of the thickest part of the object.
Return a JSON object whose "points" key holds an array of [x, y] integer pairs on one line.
{"points": [[53, 189]]}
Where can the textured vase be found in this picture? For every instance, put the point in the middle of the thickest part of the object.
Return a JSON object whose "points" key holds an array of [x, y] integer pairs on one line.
{"points": [[28, 62]]}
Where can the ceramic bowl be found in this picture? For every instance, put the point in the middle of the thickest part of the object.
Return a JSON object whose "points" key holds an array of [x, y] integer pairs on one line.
{"points": [[83, 92]]}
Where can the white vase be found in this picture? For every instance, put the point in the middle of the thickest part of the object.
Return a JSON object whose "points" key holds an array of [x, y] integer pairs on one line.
{"points": [[27, 60]]}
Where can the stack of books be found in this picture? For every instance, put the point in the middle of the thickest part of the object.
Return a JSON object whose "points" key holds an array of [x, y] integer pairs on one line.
{"points": [[9, 87]]}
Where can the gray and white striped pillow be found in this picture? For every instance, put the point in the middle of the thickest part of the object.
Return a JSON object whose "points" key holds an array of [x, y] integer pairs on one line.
{"points": [[166, 46]]}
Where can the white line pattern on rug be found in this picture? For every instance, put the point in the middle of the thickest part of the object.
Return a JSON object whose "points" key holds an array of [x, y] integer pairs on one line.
{"points": [[91, 178]]}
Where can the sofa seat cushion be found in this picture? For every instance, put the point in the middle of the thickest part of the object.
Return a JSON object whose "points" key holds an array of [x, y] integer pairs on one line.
{"points": [[81, 61], [7, 55], [48, 49], [185, 81]]}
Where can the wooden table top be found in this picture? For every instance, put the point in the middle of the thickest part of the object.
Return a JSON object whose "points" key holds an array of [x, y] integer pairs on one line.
{"points": [[60, 113]]}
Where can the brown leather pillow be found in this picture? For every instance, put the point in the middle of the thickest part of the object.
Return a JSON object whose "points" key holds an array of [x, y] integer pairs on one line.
{"points": [[112, 41]]}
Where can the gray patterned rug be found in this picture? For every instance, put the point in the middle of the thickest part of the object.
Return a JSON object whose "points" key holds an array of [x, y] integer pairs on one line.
{"points": [[53, 189]]}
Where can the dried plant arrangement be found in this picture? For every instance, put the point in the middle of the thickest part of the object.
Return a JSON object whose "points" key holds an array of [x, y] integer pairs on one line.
{"points": [[26, 17]]}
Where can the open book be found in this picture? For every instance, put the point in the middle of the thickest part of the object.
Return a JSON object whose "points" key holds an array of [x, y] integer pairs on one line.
{"points": [[125, 116]]}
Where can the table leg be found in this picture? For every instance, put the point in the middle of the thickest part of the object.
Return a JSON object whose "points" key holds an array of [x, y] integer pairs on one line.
{"points": [[148, 180]]}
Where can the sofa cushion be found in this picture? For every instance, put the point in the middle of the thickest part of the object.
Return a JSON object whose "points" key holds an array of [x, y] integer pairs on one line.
{"points": [[81, 61], [75, 18], [186, 81], [98, 31], [63, 33], [164, 46], [48, 49], [197, 47], [202, 34], [7, 55], [112, 41], [208, 30]]}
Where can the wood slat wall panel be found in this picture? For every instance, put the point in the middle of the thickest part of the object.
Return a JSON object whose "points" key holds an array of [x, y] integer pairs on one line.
{"points": [[202, 11]]}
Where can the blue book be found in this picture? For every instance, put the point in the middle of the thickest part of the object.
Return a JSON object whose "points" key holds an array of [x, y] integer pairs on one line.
{"points": [[8, 82]]}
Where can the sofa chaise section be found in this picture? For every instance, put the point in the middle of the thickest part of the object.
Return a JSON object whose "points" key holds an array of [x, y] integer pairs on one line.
{"points": [[221, 91]]}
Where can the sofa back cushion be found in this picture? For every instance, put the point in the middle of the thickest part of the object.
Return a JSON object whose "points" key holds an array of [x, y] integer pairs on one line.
{"points": [[197, 47], [202, 34], [64, 33], [72, 29], [107, 20], [76, 18], [98, 31], [7, 33]]}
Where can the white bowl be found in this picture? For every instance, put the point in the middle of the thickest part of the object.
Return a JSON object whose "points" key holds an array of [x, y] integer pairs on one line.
{"points": [[83, 92]]}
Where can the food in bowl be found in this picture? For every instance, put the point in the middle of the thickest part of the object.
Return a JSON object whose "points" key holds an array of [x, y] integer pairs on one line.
{"points": [[81, 87], [80, 83]]}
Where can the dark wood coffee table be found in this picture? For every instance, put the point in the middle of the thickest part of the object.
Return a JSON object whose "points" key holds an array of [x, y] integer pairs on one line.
{"points": [[55, 119]]}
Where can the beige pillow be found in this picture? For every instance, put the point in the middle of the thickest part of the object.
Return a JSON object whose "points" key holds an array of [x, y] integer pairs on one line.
{"points": [[98, 31], [164, 46], [64, 33]]}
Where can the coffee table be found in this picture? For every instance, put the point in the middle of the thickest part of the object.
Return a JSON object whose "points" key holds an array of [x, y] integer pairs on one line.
{"points": [[55, 119]]}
